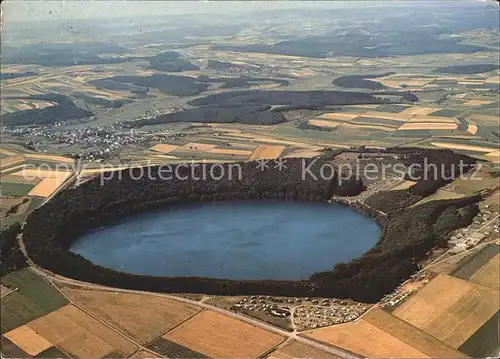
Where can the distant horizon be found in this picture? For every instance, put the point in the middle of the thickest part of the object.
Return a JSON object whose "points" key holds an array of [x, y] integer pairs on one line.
{"points": [[23, 11]]}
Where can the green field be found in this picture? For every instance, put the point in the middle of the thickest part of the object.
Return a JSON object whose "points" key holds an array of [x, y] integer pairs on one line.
{"points": [[34, 299], [52, 352], [17, 310], [15, 189], [391, 108], [173, 350], [447, 112]]}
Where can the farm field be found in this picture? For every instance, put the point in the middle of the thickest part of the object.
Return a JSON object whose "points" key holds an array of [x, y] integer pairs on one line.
{"points": [[481, 268], [379, 334], [489, 274], [28, 340], [143, 317], [164, 148], [72, 331], [454, 308], [46, 187], [295, 349], [171, 349], [219, 336], [34, 299], [266, 152]]}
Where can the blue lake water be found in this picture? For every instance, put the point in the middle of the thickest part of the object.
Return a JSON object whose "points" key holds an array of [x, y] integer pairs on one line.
{"points": [[234, 240]]}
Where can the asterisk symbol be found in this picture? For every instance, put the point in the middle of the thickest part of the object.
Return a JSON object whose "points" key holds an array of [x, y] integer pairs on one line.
{"points": [[280, 164], [262, 164]]}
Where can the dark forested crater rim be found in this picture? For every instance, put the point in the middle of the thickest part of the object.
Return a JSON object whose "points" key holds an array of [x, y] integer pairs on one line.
{"points": [[50, 230]]}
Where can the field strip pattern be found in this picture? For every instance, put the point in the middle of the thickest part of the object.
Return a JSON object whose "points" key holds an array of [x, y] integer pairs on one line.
{"points": [[454, 308], [142, 317], [266, 152], [380, 334], [220, 336]]}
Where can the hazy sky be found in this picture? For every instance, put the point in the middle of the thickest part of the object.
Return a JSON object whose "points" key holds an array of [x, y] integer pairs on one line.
{"points": [[37, 10], [23, 10]]}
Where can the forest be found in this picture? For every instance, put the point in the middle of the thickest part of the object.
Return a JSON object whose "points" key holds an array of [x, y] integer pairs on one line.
{"points": [[466, 69], [358, 81], [12, 257], [407, 237], [63, 111]]}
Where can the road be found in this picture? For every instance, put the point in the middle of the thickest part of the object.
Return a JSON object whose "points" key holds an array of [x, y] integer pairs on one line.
{"points": [[52, 278], [438, 260]]}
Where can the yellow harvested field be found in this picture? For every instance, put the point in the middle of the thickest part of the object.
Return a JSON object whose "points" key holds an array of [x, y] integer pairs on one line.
{"points": [[472, 128], [427, 126], [302, 153], [364, 338], [13, 168], [489, 274], [239, 145], [167, 157], [102, 169], [6, 152], [368, 125], [198, 146], [219, 336], [266, 152], [23, 107], [432, 119], [118, 342], [46, 187], [340, 116], [419, 111], [40, 104], [12, 160], [144, 354], [450, 309], [324, 123], [254, 137], [492, 156], [41, 173], [458, 146], [296, 349], [28, 340], [164, 148], [83, 344], [367, 62], [230, 151], [492, 80], [459, 322], [403, 185], [433, 299], [410, 335], [471, 82], [143, 317], [387, 115], [477, 102], [49, 158], [55, 327]]}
